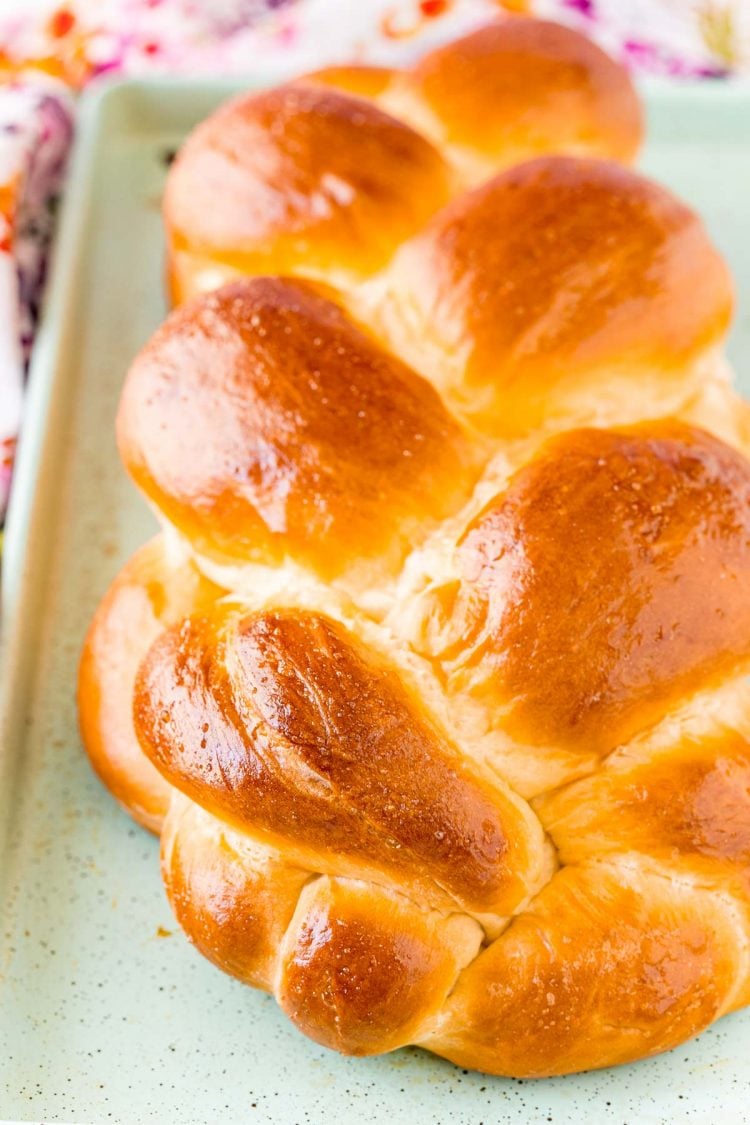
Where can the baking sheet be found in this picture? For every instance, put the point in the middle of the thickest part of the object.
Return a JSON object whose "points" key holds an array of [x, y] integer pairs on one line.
{"points": [[106, 1013]]}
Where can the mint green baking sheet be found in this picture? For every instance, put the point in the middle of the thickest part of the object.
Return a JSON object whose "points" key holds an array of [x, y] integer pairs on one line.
{"points": [[106, 1013]]}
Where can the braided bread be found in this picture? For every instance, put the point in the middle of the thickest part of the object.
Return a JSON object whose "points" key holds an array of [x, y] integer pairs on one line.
{"points": [[433, 682]]}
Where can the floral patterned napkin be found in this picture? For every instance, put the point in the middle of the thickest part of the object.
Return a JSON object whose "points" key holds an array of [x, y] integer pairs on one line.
{"points": [[35, 133], [48, 49]]}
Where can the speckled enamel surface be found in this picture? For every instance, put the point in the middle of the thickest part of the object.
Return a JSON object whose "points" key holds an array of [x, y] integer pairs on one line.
{"points": [[106, 1014]]}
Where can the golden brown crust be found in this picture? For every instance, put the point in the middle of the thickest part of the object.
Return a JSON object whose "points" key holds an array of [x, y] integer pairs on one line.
{"points": [[234, 901], [312, 177], [150, 593], [560, 278], [264, 424], [609, 581], [284, 724], [362, 970], [605, 967], [688, 801], [307, 180], [518, 88]]}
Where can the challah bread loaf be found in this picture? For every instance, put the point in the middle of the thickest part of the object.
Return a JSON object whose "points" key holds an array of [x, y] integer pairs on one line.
{"points": [[434, 681]]}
